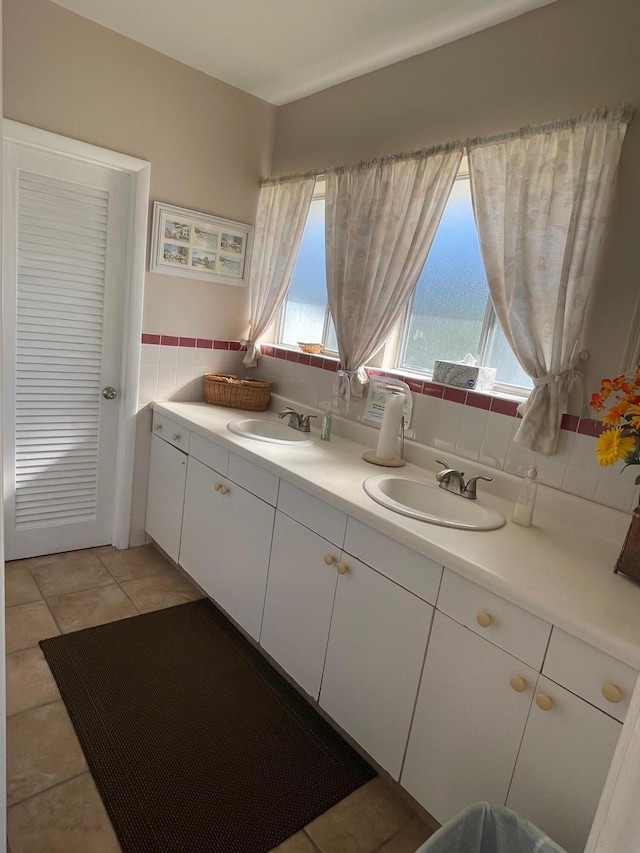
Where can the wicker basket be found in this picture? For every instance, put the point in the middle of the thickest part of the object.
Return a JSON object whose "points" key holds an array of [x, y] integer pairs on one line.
{"points": [[224, 389], [311, 349]]}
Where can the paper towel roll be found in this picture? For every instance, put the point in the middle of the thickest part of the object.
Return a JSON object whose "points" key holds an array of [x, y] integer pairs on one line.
{"points": [[390, 428]]}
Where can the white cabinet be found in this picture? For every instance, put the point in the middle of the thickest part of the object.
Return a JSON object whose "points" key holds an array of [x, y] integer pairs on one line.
{"points": [[226, 539], [471, 711], [300, 591], [167, 477], [376, 650], [562, 764]]}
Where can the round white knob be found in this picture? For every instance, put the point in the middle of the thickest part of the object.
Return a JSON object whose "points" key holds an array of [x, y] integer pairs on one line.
{"points": [[176, 436], [225, 490], [158, 427], [611, 692], [329, 559], [484, 619], [342, 568], [518, 683], [544, 702]]}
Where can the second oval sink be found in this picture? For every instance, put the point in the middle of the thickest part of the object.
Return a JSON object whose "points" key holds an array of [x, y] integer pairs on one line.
{"points": [[425, 502], [271, 432]]}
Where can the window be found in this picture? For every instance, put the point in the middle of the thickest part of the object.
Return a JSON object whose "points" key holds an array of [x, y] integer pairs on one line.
{"points": [[306, 314], [450, 313]]}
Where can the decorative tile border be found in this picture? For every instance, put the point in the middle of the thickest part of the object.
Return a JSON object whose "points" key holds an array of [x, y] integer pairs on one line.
{"points": [[475, 399]]}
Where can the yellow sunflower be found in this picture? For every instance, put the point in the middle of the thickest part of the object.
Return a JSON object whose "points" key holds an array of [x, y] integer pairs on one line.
{"points": [[612, 446]]}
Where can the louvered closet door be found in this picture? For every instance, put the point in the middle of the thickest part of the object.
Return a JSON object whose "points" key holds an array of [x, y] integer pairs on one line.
{"points": [[64, 224]]}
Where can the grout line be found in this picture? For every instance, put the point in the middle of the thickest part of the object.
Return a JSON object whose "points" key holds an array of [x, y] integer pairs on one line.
{"points": [[86, 772], [310, 839]]}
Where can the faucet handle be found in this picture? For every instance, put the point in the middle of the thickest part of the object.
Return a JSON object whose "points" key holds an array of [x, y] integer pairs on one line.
{"points": [[470, 488]]}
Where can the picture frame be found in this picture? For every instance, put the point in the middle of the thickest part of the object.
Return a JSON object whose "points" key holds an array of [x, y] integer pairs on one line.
{"points": [[197, 245]]}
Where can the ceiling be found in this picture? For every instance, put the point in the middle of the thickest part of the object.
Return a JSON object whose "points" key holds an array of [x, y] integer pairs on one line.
{"points": [[282, 50]]}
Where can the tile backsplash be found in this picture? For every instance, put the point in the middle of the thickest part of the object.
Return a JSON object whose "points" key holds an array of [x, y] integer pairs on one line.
{"points": [[475, 426]]}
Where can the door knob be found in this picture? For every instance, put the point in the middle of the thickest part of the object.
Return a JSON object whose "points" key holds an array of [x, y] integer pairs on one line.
{"points": [[109, 392]]}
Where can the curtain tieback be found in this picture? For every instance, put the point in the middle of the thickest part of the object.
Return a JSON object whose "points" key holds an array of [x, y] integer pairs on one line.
{"points": [[342, 384], [571, 373], [253, 353]]}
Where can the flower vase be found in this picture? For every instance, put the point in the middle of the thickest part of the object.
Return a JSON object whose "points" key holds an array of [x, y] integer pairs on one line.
{"points": [[629, 560]]}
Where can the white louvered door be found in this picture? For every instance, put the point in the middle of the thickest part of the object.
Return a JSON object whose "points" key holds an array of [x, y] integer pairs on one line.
{"points": [[64, 269]]}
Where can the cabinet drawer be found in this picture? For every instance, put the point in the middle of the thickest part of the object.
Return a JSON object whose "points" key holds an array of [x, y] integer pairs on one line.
{"points": [[263, 484], [313, 513], [590, 673], [171, 431], [512, 628], [418, 574], [209, 453]]}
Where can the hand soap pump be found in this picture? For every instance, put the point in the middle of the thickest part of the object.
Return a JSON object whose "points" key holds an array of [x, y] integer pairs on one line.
{"points": [[523, 510]]}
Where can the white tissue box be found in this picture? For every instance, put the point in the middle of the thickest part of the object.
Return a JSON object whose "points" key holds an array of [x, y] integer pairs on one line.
{"points": [[464, 375]]}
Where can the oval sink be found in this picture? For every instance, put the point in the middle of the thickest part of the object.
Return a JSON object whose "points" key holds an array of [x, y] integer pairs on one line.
{"points": [[271, 432], [430, 503]]}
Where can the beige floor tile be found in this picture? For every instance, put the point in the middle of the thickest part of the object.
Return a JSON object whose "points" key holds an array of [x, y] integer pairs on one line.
{"points": [[27, 624], [45, 559], [362, 821], [42, 750], [29, 681], [409, 838], [160, 591], [87, 608], [298, 843], [135, 562], [72, 574], [67, 819], [19, 585]]}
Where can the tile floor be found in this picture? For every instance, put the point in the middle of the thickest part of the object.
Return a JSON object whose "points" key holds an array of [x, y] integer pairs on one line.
{"points": [[54, 806]]}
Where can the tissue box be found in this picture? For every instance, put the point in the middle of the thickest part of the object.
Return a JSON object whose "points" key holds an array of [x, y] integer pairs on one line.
{"points": [[464, 375]]}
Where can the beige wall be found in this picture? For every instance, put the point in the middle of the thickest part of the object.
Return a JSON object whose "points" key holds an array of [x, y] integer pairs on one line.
{"points": [[557, 61], [208, 143]]}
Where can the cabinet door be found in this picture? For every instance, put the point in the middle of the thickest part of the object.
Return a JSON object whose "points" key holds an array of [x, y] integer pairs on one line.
{"points": [[165, 497], [562, 765], [468, 723], [244, 557], [297, 610], [376, 650], [202, 527]]}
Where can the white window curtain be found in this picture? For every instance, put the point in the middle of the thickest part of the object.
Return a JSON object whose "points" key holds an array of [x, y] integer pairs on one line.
{"points": [[283, 206], [540, 198], [381, 219]]}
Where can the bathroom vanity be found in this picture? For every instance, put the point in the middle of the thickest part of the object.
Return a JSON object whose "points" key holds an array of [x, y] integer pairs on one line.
{"points": [[470, 665]]}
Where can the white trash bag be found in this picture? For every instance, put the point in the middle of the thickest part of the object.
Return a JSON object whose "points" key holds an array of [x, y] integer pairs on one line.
{"points": [[484, 828]]}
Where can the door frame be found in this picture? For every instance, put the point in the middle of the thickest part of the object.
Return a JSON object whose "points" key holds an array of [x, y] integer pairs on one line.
{"points": [[135, 262]]}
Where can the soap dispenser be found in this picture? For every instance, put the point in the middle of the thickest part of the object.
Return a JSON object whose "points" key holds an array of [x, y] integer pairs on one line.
{"points": [[523, 510]]}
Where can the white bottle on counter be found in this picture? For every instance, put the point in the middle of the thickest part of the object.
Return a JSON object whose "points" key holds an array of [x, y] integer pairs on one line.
{"points": [[523, 510]]}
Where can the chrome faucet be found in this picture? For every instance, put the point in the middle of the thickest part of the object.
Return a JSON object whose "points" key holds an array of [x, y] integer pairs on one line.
{"points": [[453, 481], [297, 420]]}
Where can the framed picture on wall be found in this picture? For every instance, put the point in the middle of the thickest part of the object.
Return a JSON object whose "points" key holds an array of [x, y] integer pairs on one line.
{"points": [[188, 243]]}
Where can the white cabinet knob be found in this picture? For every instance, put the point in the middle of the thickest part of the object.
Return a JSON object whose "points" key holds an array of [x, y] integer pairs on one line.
{"points": [[176, 436], [611, 692], [329, 559], [158, 427], [544, 701], [484, 619], [342, 568], [518, 683]]}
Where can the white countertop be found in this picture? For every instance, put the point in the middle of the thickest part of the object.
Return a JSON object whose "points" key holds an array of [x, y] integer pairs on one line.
{"points": [[560, 569]]}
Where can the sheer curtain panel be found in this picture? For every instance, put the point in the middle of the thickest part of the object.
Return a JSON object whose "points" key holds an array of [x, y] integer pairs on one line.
{"points": [[282, 212], [540, 198], [381, 219]]}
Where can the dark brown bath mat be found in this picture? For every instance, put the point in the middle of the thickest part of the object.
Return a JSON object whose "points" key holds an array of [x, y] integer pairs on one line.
{"points": [[195, 742]]}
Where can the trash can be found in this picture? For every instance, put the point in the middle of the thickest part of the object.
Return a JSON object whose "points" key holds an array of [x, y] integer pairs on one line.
{"points": [[483, 828]]}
